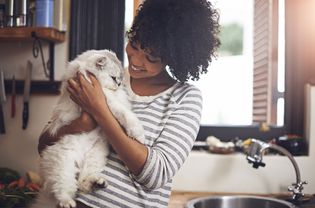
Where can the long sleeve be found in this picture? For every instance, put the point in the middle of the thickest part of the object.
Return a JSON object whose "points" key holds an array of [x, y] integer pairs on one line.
{"points": [[171, 148]]}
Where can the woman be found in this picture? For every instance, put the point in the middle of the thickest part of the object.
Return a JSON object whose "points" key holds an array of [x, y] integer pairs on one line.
{"points": [[170, 42]]}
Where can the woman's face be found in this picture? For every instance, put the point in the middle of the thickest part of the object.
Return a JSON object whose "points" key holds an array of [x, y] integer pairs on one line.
{"points": [[141, 63]]}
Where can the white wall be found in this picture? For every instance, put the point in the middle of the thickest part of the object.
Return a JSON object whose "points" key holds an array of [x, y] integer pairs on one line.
{"points": [[232, 173], [18, 147]]}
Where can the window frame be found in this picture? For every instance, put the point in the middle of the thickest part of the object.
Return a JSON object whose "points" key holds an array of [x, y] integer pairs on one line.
{"points": [[299, 71], [228, 133], [269, 11]]}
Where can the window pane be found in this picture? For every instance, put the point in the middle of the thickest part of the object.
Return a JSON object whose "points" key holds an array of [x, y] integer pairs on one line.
{"points": [[227, 87], [128, 22], [281, 47], [280, 112]]}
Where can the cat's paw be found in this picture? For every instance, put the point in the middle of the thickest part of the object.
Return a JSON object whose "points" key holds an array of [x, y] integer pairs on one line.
{"points": [[92, 181], [101, 182], [136, 132], [67, 203]]}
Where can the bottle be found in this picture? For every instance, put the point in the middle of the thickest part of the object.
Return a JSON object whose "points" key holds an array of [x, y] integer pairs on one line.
{"points": [[44, 13], [20, 12], [60, 15]]}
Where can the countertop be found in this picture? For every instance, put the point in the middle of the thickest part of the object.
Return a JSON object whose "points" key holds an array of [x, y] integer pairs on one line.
{"points": [[178, 199]]}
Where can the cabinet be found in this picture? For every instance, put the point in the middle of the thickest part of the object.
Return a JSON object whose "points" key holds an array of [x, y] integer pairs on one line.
{"points": [[37, 35]]}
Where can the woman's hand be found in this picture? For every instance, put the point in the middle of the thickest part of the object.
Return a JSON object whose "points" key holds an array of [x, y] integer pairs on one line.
{"points": [[89, 96]]}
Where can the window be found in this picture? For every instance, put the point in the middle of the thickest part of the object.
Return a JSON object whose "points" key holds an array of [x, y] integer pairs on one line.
{"points": [[275, 61], [240, 90], [241, 85]]}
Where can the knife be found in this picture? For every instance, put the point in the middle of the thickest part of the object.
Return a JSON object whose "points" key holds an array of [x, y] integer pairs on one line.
{"points": [[2, 100], [26, 96], [13, 97]]}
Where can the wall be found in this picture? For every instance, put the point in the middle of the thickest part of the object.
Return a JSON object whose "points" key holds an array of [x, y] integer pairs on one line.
{"points": [[18, 147], [232, 173], [300, 62]]}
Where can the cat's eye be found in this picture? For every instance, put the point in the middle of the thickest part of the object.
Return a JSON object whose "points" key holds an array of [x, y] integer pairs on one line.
{"points": [[117, 80], [152, 59]]}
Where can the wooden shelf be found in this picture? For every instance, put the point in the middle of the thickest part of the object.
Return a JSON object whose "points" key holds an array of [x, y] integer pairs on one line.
{"points": [[25, 33], [36, 34]]}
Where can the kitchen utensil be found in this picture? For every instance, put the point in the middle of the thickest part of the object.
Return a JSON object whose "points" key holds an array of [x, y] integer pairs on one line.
{"points": [[2, 100], [44, 13], [20, 12], [13, 97], [26, 96]]}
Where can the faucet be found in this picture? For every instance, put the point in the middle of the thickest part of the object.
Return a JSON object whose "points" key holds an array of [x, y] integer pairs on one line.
{"points": [[255, 156]]}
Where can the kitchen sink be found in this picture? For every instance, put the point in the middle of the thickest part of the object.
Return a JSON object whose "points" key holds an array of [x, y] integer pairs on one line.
{"points": [[238, 201]]}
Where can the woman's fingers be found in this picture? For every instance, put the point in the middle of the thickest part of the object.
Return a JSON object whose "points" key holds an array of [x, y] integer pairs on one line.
{"points": [[74, 85], [73, 98], [82, 82], [71, 90], [85, 93], [73, 94], [81, 79], [93, 79]]}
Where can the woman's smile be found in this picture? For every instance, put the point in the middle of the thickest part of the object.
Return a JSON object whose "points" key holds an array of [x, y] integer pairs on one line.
{"points": [[135, 68]]}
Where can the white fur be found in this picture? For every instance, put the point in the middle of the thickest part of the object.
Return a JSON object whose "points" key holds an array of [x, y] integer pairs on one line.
{"points": [[76, 161]]}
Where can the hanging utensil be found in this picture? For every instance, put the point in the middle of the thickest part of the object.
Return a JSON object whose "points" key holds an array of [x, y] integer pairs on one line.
{"points": [[26, 96], [13, 97], [2, 100]]}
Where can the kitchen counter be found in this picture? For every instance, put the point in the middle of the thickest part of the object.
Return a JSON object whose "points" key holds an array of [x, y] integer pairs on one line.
{"points": [[178, 199]]}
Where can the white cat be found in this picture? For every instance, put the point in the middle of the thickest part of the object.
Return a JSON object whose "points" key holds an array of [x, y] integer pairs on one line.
{"points": [[76, 161]]}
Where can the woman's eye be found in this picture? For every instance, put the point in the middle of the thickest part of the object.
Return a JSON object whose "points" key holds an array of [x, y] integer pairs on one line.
{"points": [[152, 59]]}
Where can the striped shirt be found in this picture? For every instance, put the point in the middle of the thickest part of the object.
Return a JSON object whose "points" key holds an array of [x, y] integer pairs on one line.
{"points": [[171, 123]]}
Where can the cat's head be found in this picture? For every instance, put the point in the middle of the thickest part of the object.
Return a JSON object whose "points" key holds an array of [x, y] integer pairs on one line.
{"points": [[104, 64]]}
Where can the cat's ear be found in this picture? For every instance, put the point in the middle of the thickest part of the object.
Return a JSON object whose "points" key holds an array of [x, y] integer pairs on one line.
{"points": [[100, 62]]}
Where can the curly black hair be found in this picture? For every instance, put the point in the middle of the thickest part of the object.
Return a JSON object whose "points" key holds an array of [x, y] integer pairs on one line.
{"points": [[183, 33]]}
